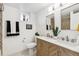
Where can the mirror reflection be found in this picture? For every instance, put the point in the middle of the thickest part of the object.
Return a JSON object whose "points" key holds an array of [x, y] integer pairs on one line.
{"points": [[69, 18], [50, 22]]}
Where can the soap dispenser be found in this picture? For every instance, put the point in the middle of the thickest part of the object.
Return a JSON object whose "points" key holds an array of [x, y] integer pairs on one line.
{"points": [[67, 38]]}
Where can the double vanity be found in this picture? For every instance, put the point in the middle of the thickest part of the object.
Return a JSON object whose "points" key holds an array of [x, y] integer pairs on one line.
{"points": [[53, 47]]}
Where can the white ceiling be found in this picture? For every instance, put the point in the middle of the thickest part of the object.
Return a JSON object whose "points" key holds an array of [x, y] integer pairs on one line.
{"points": [[29, 7]]}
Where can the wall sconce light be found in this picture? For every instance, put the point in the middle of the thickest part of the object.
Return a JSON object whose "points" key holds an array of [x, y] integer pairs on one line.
{"points": [[24, 17]]}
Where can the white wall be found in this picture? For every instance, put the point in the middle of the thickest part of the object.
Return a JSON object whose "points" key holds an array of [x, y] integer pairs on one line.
{"points": [[42, 21], [15, 44]]}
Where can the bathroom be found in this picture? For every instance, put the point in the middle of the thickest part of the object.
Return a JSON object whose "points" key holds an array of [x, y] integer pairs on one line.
{"points": [[14, 45]]}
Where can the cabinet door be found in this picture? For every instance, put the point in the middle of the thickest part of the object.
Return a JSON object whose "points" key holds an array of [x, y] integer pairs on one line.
{"points": [[67, 52], [42, 48], [53, 50]]}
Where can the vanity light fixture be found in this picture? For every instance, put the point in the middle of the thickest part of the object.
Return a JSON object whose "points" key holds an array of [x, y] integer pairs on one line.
{"points": [[21, 17], [24, 17]]}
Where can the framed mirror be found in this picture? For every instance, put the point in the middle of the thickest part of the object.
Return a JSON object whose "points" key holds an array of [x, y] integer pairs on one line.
{"points": [[50, 22], [70, 17], [65, 20]]}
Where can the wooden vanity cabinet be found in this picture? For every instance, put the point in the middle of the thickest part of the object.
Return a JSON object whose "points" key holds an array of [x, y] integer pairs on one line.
{"points": [[67, 52], [45, 48], [53, 49], [42, 48]]}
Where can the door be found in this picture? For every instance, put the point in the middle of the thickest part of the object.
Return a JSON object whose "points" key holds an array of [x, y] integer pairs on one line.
{"points": [[0, 29]]}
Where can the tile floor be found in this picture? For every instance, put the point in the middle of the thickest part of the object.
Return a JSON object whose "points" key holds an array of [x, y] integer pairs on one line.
{"points": [[25, 53]]}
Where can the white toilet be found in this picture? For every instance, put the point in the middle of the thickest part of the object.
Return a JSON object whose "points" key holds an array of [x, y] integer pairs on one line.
{"points": [[30, 45]]}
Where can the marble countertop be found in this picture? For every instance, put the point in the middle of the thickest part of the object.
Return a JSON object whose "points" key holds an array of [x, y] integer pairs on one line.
{"points": [[68, 45]]}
